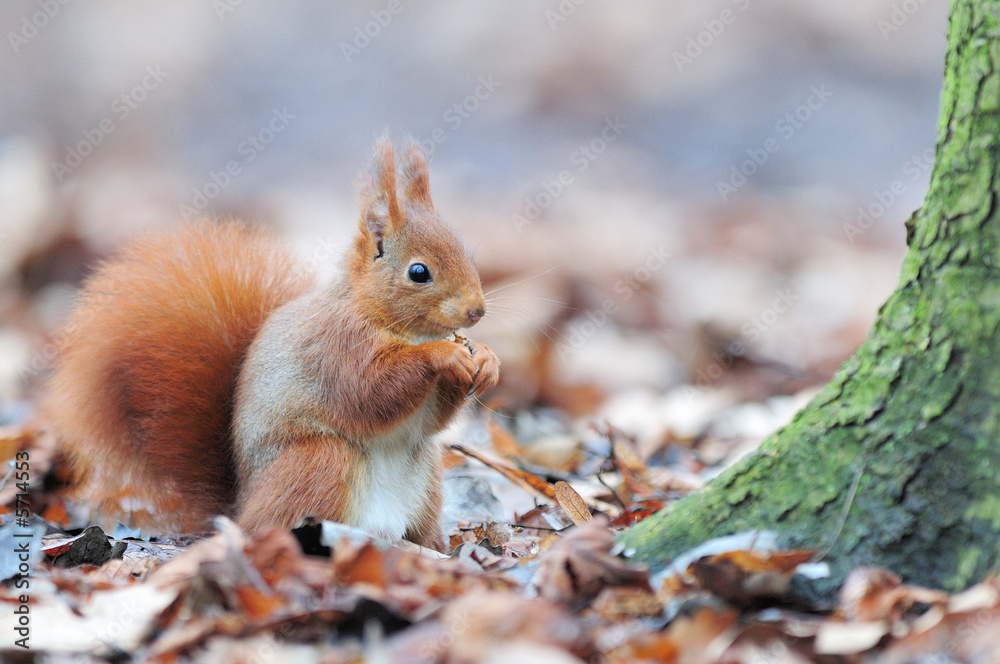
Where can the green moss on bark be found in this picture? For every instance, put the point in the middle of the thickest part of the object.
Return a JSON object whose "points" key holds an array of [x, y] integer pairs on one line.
{"points": [[912, 419]]}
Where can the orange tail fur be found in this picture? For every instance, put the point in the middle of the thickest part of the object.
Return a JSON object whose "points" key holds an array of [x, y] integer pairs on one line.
{"points": [[142, 395]]}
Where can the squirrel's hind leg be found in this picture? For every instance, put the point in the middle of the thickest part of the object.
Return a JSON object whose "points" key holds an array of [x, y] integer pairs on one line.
{"points": [[308, 478], [427, 530]]}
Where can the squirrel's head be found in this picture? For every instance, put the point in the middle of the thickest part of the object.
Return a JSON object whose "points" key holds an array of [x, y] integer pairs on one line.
{"points": [[414, 273]]}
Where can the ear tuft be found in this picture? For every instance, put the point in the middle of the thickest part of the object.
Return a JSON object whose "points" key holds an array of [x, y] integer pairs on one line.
{"points": [[418, 184], [379, 206]]}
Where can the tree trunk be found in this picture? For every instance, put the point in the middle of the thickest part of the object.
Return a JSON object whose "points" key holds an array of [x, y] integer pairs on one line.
{"points": [[904, 439]]}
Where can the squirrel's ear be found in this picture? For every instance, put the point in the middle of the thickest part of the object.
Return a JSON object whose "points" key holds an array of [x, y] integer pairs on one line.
{"points": [[418, 184], [375, 223], [380, 213]]}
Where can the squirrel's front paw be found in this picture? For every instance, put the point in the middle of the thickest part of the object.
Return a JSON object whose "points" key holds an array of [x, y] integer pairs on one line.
{"points": [[454, 363], [487, 369]]}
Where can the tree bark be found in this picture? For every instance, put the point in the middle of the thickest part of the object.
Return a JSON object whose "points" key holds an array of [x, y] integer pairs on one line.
{"points": [[904, 439]]}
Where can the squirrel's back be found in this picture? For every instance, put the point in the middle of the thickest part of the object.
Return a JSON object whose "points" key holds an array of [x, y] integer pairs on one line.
{"points": [[142, 394]]}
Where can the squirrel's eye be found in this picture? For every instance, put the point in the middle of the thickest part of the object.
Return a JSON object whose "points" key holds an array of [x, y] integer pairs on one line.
{"points": [[419, 273]]}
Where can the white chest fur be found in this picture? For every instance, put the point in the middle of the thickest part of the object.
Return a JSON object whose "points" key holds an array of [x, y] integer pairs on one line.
{"points": [[397, 474]]}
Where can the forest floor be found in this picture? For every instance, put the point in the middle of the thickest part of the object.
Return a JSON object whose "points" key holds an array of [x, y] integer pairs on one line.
{"points": [[599, 422]]}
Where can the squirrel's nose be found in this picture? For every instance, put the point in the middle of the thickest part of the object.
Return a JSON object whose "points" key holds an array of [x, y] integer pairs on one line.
{"points": [[475, 314]]}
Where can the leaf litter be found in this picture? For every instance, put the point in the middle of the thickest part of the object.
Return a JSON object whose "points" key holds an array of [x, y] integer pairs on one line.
{"points": [[549, 585]]}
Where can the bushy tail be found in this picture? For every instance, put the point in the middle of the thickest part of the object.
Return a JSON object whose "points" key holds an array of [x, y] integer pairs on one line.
{"points": [[142, 394]]}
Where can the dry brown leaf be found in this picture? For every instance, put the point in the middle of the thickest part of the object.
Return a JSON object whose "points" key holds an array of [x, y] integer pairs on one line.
{"points": [[503, 442], [744, 578], [625, 456], [56, 546], [873, 594], [277, 556], [958, 637], [497, 533], [561, 453], [985, 595], [637, 512], [706, 635], [522, 478], [543, 517], [41, 447], [55, 512], [618, 603], [75, 583], [784, 562], [478, 622], [256, 605], [647, 647], [576, 568], [117, 619], [852, 638], [364, 564], [131, 568], [572, 503], [702, 637], [758, 643], [214, 549], [15, 439]]}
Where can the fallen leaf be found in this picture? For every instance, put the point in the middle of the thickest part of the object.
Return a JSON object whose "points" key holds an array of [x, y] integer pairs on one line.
{"points": [[572, 503], [117, 619], [618, 603], [636, 512], [477, 623], [522, 478], [561, 453], [185, 567], [850, 638], [257, 605], [744, 578], [364, 564], [578, 566], [503, 442], [873, 594]]}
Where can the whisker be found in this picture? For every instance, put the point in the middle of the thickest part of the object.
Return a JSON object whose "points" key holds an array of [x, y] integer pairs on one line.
{"points": [[512, 311], [535, 276], [530, 297], [478, 244], [482, 404], [509, 334], [542, 324]]}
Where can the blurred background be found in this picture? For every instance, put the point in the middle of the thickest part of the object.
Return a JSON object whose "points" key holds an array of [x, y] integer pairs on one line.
{"points": [[689, 207]]}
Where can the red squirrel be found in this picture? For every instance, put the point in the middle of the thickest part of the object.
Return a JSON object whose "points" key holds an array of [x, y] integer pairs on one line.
{"points": [[204, 373]]}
